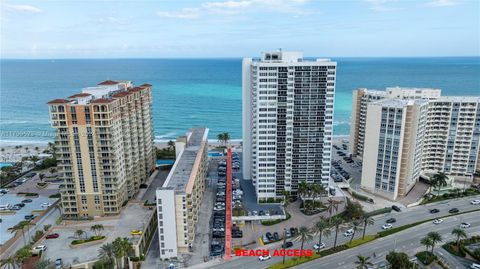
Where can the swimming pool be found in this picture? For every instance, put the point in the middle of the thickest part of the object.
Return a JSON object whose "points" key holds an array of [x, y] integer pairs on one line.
{"points": [[165, 162], [214, 154], [5, 164]]}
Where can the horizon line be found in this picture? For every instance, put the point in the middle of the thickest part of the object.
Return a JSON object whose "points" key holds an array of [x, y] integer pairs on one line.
{"points": [[229, 57]]}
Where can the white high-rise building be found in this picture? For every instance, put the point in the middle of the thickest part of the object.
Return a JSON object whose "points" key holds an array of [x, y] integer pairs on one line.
{"points": [[394, 133], [453, 136], [287, 121]]}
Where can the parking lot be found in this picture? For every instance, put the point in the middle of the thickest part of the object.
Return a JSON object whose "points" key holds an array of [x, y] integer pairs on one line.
{"points": [[344, 168]]}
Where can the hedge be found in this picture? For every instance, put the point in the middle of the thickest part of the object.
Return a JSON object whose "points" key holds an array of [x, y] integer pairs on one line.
{"points": [[426, 257], [275, 221], [379, 212], [93, 238], [362, 197], [296, 261], [56, 195], [450, 248]]}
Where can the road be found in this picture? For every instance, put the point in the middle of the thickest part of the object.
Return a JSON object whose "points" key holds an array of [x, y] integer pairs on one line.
{"points": [[383, 245]]}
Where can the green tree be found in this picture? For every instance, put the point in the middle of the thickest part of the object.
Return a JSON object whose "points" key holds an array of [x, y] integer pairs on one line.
{"points": [[78, 233], [223, 138], [47, 227], [8, 263], [427, 242], [332, 206], [44, 264], [106, 253], [353, 210], [322, 228], [22, 226], [97, 229], [122, 248], [171, 145], [356, 225], [399, 260], [435, 237], [37, 236], [362, 262], [23, 254], [304, 235], [439, 180], [366, 221], [336, 221], [459, 233]]}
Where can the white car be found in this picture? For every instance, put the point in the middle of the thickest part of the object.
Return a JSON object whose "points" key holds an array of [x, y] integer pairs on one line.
{"points": [[46, 204], [264, 258], [475, 202], [465, 225], [38, 249], [437, 221], [319, 246], [387, 226], [475, 266], [348, 233]]}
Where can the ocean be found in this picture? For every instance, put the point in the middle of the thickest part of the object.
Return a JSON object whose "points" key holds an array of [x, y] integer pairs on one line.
{"points": [[201, 92]]}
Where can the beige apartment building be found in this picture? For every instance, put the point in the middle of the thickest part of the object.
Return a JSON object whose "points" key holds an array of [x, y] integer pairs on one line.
{"points": [[180, 197], [362, 97], [393, 148], [105, 148]]}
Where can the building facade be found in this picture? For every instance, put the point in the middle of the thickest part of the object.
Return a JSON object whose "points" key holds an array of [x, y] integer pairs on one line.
{"points": [[287, 121], [179, 199], [105, 148], [453, 136], [362, 97], [394, 133]]}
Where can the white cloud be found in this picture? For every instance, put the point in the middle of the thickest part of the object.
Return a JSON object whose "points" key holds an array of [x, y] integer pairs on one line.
{"points": [[442, 3], [381, 5], [22, 8], [232, 7], [185, 13]]}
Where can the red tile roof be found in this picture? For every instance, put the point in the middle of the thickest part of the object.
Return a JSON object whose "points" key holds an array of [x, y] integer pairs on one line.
{"points": [[136, 89], [108, 82], [121, 94], [59, 101], [146, 85], [102, 101], [80, 95]]}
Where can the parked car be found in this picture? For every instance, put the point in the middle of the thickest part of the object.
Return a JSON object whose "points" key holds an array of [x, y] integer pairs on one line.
{"points": [[475, 266], [453, 210], [264, 258], [269, 236], [27, 201], [465, 225], [29, 217], [288, 244], [52, 236], [437, 221], [387, 226], [135, 232], [39, 248], [434, 211], [396, 208], [58, 263], [276, 237], [319, 246]]}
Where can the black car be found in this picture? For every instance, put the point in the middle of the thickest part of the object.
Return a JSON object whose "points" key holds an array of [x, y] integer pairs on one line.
{"points": [[396, 208], [453, 210], [20, 204], [218, 234], [269, 236], [391, 220], [29, 217], [27, 201], [293, 231], [433, 211], [276, 237], [287, 245], [237, 234]]}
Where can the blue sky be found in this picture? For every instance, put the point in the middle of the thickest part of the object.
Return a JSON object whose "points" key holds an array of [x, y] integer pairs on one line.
{"points": [[171, 29]]}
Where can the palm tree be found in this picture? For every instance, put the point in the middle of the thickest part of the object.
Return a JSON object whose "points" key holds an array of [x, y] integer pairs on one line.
{"points": [[332, 205], [399, 260], [366, 221], [336, 222], [21, 226], [304, 235], [286, 199], [459, 233], [322, 228], [223, 138], [171, 145], [23, 254], [439, 180], [435, 238], [106, 253], [8, 263], [363, 262], [303, 191], [355, 226], [78, 233], [427, 242], [97, 229], [122, 248], [44, 264], [46, 227]]}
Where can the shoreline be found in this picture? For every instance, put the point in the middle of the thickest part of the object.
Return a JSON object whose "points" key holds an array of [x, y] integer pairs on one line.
{"points": [[14, 151]]}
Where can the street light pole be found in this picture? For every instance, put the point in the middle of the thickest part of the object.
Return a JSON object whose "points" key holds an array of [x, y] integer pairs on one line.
{"points": [[284, 243]]}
